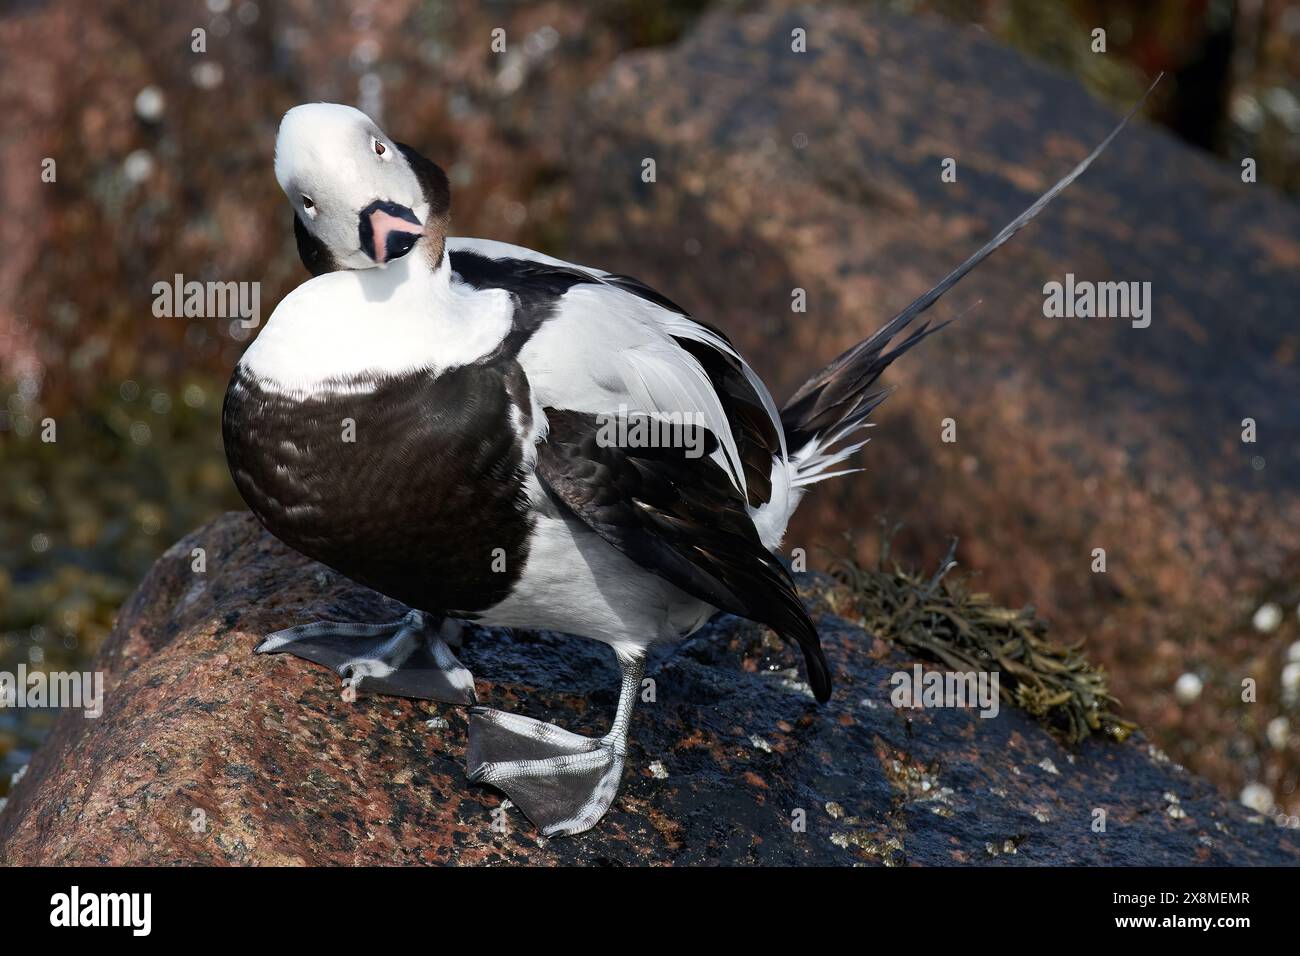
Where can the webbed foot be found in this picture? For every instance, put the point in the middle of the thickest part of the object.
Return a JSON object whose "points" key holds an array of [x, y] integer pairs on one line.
{"points": [[405, 658], [563, 782]]}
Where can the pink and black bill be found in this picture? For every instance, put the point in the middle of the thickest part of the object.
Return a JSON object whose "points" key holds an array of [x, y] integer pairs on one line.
{"points": [[388, 231]]}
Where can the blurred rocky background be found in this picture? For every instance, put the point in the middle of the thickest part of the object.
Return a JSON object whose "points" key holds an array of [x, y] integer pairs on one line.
{"points": [[773, 173]]}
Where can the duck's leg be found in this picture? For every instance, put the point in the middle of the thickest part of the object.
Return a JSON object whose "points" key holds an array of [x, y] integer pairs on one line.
{"points": [[405, 658], [563, 782]]}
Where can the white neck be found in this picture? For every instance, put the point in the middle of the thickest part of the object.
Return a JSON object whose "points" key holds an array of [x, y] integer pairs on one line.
{"points": [[344, 330], [408, 282]]}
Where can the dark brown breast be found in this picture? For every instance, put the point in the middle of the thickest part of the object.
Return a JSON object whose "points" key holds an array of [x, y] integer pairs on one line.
{"points": [[413, 488]]}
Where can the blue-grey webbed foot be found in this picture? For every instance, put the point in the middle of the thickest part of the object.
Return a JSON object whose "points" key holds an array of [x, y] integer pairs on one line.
{"points": [[405, 658], [563, 782]]}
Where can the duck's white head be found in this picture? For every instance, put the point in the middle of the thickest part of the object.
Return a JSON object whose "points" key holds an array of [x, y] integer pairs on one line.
{"points": [[357, 194]]}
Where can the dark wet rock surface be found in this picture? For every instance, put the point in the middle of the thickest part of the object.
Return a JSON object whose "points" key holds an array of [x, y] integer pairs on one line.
{"points": [[208, 754]]}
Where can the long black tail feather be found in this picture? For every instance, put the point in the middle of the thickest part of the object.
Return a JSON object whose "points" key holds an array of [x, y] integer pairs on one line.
{"points": [[838, 398]]}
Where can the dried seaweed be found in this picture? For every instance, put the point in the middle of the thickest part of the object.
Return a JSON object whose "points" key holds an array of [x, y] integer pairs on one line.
{"points": [[940, 618]]}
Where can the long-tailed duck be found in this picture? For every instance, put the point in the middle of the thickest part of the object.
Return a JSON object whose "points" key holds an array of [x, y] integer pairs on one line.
{"points": [[448, 421]]}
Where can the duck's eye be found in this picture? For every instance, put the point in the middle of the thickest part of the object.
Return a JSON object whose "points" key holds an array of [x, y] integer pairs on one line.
{"points": [[307, 203], [380, 148]]}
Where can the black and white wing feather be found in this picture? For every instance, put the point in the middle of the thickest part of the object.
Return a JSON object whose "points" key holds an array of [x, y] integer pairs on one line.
{"points": [[680, 518], [609, 349]]}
